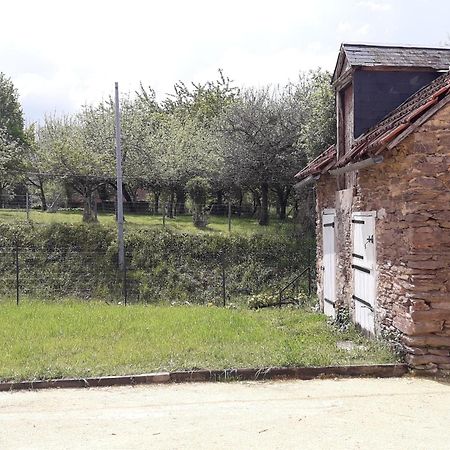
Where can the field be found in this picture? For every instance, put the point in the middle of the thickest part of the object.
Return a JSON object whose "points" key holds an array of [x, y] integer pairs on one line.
{"points": [[46, 340], [217, 224]]}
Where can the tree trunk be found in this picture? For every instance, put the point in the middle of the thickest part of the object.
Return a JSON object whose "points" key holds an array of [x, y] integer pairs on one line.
{"points": [[90, 207], [181, 201], [103, 192], [103, 195], [256, 202], [278, 206], [295, 209], [42, 196], [219, 195], [219, 206], [156, 194], [282, 208], [282, 196], [170, 206], [264, 216], [128, 198], [199, 217], [241, 199]]}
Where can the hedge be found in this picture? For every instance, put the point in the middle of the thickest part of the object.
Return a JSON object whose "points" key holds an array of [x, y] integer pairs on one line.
{"points": [[61, 260]]}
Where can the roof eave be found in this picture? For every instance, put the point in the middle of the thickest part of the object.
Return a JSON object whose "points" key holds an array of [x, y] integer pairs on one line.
{"points": [[339, 64]]}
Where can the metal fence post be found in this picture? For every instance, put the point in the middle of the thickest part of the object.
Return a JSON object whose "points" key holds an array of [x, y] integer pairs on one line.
{"points": [[309, 272], [309, 281], [16, 254], [125, 291], [27, 200], [224, 290]]}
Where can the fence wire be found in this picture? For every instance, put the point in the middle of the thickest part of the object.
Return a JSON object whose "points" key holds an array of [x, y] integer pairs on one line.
{"points": [[32, 203], [220, 278]]}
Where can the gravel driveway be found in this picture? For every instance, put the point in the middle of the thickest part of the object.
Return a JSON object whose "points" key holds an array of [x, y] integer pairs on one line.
{"points": [[403, 413]]}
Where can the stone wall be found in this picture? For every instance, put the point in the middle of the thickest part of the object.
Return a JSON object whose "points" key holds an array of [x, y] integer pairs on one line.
{"points": [[343, 233], [410, 191], [424, 315]]}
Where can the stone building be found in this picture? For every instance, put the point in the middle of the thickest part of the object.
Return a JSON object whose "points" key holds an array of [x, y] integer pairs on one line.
{"points": [[383, 198]]}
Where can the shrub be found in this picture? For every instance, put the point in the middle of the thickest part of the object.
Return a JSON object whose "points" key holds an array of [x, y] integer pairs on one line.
{"points": [[198, 188]]}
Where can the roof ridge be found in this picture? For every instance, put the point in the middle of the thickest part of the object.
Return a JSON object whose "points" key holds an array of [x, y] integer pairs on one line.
{"points": [[386, 45]]}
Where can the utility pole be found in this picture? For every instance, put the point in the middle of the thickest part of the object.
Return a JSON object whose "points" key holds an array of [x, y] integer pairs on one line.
{"points": [[119, 182]]}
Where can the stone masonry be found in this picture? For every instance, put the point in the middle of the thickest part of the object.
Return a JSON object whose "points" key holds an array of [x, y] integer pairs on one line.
{"points": [[410, 192]]}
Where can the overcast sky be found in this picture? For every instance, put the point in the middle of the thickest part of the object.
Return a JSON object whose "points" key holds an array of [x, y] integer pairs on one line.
{"points": [[62, 54]]}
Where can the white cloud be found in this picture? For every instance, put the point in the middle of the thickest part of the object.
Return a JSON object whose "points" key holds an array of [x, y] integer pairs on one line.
{"points": [[63, 54], [376, 6], [277, 67], [344, 27], [363, 30], [350, 32], [67, 54]]}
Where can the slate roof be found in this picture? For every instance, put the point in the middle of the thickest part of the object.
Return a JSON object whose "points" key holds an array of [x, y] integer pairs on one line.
{"points": [[379, 55], [390, 131], [370, 55]]}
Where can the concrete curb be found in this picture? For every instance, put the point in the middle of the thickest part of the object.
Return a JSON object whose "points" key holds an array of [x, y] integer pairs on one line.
{"points": [[270, 373]]}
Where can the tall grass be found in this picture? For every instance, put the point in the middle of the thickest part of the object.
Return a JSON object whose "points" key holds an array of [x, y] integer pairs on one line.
{"points": [[45, 340]]}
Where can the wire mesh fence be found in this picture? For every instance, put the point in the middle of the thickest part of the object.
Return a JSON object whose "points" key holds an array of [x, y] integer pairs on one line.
{"points": [[162, 264], [222, 277], [28, 271]]}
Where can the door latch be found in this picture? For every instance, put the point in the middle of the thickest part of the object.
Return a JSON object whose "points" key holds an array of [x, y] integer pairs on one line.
{"points": [[369, 241]]}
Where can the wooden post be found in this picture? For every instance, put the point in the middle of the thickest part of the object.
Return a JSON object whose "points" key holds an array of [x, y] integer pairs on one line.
{"points": [[229, 216], [164, 215]]}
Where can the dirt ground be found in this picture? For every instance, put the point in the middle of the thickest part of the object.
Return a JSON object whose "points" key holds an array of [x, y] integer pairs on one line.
{"points": [[399, 413]]}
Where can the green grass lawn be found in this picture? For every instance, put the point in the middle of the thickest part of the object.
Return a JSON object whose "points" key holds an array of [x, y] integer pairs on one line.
{"points": [[48, 340], [217, 224]]}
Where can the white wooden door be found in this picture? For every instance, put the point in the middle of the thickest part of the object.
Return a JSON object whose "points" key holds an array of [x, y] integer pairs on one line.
{"points": [[364, 266], [329, 264]]}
